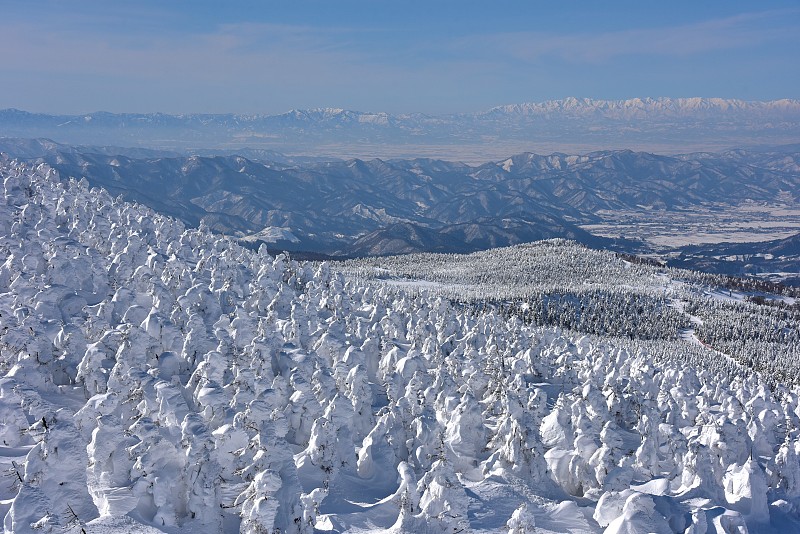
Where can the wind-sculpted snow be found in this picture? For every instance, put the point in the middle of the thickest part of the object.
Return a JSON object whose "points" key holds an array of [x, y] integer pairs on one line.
{"points": [[163, 379], [561, 283]]}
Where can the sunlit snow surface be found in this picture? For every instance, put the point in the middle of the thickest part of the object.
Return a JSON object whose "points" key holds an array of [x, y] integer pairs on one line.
{"points": [[158, 379]]}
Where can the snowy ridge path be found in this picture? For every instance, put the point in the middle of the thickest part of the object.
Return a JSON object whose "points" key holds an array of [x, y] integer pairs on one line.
{"points": [[689, 334], [759, 333], [163, 379]]}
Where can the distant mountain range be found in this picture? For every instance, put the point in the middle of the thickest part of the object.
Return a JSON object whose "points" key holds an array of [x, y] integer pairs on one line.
{"points": [[776, 256], [377, 207], [659, 124]]}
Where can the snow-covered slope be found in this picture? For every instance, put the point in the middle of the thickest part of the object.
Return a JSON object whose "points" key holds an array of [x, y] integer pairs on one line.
{"points": [[163, 379]]}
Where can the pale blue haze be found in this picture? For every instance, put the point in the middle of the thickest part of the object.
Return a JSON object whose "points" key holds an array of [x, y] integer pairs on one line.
{"points": [[432, 57]]}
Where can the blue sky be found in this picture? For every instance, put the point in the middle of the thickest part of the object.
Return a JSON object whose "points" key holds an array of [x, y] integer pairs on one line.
{"points": [[433, 57]]}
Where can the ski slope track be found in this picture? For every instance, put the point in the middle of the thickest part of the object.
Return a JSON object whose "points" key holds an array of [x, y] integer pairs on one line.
{"points": [[163, 379]]}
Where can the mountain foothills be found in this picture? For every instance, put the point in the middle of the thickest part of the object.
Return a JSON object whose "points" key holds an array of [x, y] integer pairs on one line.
{"points": [[163, 378], [635, 202], [656, 124]]}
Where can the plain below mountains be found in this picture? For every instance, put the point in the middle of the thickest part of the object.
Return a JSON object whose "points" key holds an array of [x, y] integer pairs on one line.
{"points": [[575, 124]]}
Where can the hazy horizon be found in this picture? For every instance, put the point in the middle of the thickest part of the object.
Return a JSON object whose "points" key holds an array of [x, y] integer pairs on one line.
{"points": [[440, 58], [412, 112]]}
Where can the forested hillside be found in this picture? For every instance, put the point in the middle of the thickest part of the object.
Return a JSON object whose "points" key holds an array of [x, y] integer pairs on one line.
{"points": [[159, 378]]}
